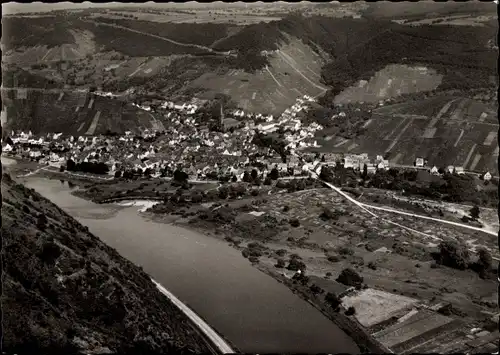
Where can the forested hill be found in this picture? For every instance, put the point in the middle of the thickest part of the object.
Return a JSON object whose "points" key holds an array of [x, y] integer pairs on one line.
{"points": [[66, 292]]}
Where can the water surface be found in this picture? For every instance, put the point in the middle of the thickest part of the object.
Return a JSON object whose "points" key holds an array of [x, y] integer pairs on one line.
{"points": [[249, 308]]}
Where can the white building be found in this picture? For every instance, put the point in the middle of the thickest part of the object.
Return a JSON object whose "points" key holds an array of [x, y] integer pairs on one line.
{"points": [[487, 176]]}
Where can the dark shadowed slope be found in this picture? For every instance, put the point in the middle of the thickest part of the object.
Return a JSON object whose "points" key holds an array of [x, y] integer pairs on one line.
{"points": [[65, 292]]}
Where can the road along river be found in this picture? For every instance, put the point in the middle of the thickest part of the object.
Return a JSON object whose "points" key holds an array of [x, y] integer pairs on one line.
{"points": [[250, 309]]}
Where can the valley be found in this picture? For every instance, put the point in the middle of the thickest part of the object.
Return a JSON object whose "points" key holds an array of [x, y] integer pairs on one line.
{"points": [[219, 178]]}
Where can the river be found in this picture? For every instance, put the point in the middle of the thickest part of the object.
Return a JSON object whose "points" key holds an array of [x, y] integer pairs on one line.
{"points": [[249, 308]]}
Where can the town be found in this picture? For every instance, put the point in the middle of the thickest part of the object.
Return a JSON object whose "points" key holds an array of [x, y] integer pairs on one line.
{"points": [[205, 153]]}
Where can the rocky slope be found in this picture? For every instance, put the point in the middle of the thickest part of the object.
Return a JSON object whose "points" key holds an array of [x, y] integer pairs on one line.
{"points": [[64, 291]]}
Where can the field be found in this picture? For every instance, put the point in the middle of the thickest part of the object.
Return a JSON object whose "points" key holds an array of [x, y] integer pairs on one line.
{"points": [[293, 71], [219, 17], [391, 81], [416, 326], [445, 130], [374, 306]]}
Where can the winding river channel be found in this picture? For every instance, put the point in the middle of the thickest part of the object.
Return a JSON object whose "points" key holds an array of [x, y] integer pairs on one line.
{"points": [[249, 308]]}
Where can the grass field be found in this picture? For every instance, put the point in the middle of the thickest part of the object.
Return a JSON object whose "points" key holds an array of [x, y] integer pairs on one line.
{"points": [[391, 81], [198, 17], [374, 306]]}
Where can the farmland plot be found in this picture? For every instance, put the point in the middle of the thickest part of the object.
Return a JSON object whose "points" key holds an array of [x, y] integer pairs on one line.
{"points": [[415, 326], [391, 81], [374, 306]]}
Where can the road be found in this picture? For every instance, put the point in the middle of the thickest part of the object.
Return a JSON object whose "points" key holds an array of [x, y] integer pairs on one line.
{"points": [[367, 207], [162, 38], [211, 334]]}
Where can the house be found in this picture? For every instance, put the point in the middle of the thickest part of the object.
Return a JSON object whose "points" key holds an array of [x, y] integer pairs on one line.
{"points": [[382, 166], [459, 170], [450, 169], [487, 176], [434, 170], [7, 148], [419, 162], [370, 170]]}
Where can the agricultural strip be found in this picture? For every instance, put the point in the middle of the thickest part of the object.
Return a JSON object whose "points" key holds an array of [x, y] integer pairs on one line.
{"points": [[81, 126], [344, 141], [94, 123], [399, 136], [397, 158], [474, 162], [46, 54], [272, 76], [489, 139], [458, 111], [459, 137], [469, 156], [367, 123], [388, 137]]}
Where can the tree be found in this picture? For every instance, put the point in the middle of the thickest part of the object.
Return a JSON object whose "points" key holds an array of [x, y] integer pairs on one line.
{"points": [[332, 300], [474, 212], [296, 264], [70, 165], [223, 193], [365, 172], [454, 254], [349, 277], [326, 174], [280, 264], [180, 176], [61, 168], [118, 174], [246, 177], [274, 174], [267, 181], [485, 262], [254, 174], [234, 178]]}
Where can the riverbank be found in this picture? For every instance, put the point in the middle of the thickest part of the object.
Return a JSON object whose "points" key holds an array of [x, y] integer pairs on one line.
{"points": [[329, 235], [248, 307]]}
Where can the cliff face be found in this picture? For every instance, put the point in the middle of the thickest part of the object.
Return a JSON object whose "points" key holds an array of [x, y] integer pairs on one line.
{"points": [[65, 291]]}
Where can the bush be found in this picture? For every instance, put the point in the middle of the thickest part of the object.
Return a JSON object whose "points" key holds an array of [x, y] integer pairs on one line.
{"points": [[294, 222], [281, 252], [333, 258], [50, 252], [280, 264], [350, 311], [344, 251], [41, 222], [372, 265], [286, 208], [349, 277], [315, 289], [453, 254], [332, 300], [296, 265]]}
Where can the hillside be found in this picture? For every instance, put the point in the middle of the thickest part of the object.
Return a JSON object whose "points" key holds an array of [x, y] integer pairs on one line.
{"points": [[66, 292], [271, 63], [72, 112]]}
